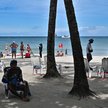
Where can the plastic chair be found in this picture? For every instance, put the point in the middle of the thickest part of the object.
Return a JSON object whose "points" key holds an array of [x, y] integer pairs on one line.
{"points": [[97, 69], [105, 67], [6, 85], [36, 63], [2, 66], [59, 66]]}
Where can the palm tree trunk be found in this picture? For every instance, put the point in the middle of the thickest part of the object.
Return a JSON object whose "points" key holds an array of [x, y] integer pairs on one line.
{"points": [[51, 65], [80, 86]]}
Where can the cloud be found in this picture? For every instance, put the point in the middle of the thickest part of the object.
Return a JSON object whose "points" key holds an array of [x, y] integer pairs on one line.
{"points": [[35, 27], [94, 31], [6, 8], [29, 6], [62, 31], [90, 8], [86, 31], [12, 31]]}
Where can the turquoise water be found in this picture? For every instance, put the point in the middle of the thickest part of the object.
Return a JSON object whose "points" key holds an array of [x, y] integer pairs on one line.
{"points": [[100, 44]]}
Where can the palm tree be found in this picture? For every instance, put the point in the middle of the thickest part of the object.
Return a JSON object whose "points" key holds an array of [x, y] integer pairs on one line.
{"points": [[80, 86], [51, 65]]}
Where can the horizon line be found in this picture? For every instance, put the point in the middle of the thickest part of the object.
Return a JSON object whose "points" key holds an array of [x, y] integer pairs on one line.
{"points": [[45, 36]]}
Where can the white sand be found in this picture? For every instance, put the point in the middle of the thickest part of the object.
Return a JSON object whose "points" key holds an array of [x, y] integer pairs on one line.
{"points": [[53, 93]]}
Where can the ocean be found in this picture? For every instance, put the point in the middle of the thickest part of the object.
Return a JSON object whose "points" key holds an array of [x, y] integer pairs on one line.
{"points": [[100, 45]]}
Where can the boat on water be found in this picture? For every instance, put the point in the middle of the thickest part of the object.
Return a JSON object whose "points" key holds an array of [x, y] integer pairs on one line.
{"points": [[65, 36]]}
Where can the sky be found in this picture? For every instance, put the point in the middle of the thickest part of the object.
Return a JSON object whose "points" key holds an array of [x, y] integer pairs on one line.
{"points": [[30, 17]]}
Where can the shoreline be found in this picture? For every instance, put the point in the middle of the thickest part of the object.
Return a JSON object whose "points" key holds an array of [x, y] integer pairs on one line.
{"points": [[100, 45], [65, 58]]}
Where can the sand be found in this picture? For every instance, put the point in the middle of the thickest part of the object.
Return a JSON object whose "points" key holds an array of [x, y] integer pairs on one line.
{"points": [[53, 93]]}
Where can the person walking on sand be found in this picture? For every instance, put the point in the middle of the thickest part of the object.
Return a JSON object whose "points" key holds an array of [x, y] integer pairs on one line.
{"points": [[22, 49], [89, 50], [14, 49], [40, 49]]}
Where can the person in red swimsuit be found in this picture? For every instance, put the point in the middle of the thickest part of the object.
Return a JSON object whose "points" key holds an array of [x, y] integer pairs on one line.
{"points": [[28, 48]]}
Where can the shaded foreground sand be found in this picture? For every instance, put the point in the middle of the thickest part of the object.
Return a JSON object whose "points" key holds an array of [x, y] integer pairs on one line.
{"points": [[53, 93]]}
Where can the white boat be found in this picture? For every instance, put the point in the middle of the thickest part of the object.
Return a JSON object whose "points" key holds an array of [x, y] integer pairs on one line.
{"points": [[65, 36]]}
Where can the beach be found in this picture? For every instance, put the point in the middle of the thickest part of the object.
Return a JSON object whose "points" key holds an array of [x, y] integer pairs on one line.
{"points": [[53, 92]]}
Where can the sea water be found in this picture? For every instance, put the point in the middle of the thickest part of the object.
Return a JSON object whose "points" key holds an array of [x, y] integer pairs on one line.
{"points": [[100, 45]]}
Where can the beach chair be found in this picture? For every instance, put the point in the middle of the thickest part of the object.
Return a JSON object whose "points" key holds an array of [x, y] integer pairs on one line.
{"points": [[2, 66], [59, 66], [104, 67], [87, 68], [36, 63], [5, 83], [7, 89], [45, 62], [86, 65], [97, 69]]}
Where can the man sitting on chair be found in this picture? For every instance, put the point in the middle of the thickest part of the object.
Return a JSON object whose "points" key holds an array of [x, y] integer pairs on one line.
{"points": [[16, 82]]}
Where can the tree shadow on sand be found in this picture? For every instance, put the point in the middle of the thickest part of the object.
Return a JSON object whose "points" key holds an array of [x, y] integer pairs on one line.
{"points": [[53, 93]]}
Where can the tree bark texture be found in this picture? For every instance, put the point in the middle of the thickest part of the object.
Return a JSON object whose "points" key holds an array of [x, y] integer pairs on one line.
{"points": [[51, 64], [80, 86]]}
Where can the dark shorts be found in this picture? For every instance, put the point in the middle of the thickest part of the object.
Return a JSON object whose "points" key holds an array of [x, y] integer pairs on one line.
{"points": [[89, 57], [13, 50], [21, 49]]}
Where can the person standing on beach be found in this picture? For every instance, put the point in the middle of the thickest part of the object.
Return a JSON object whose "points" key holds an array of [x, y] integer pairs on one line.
{"points": [[89, 50], [40, 49], [28, 48], [22, 49], [66, 52], [13, 49]]}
